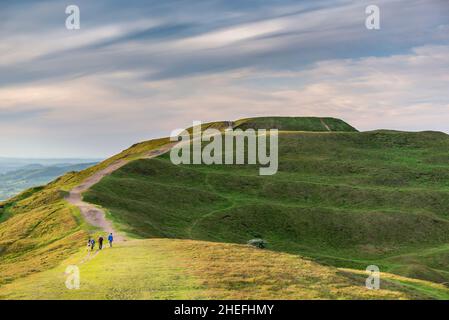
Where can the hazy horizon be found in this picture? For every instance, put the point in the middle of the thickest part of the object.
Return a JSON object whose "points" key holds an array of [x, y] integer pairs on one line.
{"points": [[77, 159]]}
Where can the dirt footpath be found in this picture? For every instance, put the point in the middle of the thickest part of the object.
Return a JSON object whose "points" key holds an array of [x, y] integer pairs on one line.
{"points": [[95, 215]]}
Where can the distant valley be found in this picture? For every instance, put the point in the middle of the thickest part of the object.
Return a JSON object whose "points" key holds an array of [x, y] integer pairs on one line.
{"points": [[17, 175]]}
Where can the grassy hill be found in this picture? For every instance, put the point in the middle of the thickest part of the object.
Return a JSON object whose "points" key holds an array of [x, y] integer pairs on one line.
{"points": [[342, 198], [347, 199]]}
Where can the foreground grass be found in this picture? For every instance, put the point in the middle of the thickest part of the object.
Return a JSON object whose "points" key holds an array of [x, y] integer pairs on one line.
{"points": [[186, 269]]}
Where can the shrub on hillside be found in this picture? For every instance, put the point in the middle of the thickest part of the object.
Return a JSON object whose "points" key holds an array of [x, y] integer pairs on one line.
{"points": [[258, 243]]}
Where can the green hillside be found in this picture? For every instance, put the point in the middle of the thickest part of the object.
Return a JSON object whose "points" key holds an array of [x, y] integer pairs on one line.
{"points": [[346, 199], [342, 198]]}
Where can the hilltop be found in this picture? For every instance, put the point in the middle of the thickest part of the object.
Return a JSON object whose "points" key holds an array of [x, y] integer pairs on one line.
{"points": [[342, 198], [313, 124]]}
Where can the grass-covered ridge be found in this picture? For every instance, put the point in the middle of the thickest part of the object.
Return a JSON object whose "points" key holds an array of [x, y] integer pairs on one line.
{"points": [[295, 124], [344, 198], [311, 124]]}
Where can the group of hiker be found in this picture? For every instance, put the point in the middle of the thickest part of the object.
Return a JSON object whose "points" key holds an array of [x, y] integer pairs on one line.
{"points": [[91, 242]]}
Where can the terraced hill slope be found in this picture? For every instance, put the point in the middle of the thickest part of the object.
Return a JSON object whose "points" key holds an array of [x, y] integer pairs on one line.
{"points": [[348, 199], [343, 198]]}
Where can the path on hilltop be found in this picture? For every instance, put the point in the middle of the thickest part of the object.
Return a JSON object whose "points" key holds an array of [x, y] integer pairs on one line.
{"points": [[325, 124], [93, 214]]}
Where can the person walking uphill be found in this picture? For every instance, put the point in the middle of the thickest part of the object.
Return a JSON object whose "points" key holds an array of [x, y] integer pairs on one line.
{"points": [[110, 239], [100, 242], [92, 244]]}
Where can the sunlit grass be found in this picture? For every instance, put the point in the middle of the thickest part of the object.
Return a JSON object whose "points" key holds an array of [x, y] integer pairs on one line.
{"points": [[186, 269]]}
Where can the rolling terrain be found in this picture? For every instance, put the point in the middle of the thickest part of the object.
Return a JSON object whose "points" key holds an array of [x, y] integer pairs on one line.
{"points": [[342, 200]]}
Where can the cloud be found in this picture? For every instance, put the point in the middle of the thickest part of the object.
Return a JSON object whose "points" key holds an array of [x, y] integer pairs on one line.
{"points": [[139, 71], [7, 115], [292, 36]]}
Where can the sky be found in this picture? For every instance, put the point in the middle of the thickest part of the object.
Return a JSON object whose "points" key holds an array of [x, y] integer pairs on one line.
{"points": [[137, 70]]}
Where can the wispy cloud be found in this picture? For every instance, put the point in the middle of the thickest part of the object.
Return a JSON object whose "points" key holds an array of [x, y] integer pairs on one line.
{"points": [[139, 70]]}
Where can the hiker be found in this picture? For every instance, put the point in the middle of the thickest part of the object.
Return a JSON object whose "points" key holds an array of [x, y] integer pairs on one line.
{"points": [[110, 239], [92, 244], [89, 243], [100, 242]]}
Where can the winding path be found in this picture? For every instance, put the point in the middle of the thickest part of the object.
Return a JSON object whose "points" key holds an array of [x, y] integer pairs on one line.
{"points": [[95, 215]]}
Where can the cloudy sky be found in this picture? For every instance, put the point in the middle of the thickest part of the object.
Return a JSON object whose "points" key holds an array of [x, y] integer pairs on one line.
{"points": [[139, 69]]}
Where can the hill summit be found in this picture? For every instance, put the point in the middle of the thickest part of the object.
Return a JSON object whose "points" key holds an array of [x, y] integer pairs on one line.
{"points": [[314, 124]]}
